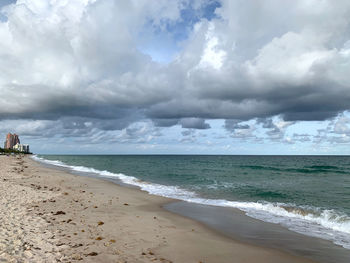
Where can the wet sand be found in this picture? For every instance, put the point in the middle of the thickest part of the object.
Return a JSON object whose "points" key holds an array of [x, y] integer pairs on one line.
{"points": [[50, 215], [235, 224]]}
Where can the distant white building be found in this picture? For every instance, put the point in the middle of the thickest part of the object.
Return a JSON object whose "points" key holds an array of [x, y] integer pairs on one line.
{"points": [[21, 148]]}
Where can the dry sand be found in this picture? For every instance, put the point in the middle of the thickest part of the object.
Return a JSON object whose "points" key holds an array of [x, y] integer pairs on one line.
{"points": [[49, 215]]}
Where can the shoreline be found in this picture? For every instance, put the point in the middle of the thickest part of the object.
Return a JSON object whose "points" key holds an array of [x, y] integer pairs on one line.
{"points": [[96, 220], [235, 224]]}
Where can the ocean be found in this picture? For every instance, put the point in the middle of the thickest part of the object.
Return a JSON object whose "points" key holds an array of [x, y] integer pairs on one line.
{"points": [[306, 194]]}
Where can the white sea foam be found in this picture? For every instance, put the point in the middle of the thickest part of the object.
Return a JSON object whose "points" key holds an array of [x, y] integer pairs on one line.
{"points": [[326, 224]]}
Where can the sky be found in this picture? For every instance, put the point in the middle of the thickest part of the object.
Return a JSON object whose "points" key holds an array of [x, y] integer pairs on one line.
{"points": [[176, 76]]}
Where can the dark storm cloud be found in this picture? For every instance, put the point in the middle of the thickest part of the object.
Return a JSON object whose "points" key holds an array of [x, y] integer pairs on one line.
{"points": [[188, 123], [85, 66], [165, 122], [194, 123]]}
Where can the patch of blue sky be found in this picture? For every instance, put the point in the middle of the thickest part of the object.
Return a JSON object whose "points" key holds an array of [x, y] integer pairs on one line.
{"points": [[162, 41], [311, 127], [189, 17], [3, 17]]}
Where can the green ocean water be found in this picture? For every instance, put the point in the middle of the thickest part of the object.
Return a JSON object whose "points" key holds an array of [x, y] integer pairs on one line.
{"points": [[307, 194]]}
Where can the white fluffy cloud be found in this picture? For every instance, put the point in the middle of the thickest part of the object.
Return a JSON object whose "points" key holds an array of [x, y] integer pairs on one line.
{"points": [[81, 61]]}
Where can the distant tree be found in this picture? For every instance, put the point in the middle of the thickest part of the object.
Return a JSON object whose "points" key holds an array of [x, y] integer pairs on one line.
{"points": [[9, 151]]}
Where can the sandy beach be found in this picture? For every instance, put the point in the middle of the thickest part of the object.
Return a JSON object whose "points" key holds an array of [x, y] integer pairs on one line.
{"points": [[50, 215]]}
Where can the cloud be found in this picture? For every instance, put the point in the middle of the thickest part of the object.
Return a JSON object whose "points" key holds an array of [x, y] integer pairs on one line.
{"points": [[187, 123], [73, 63], [165, 122], [341, 125], [301, 137], [194, 123], [239, 130], [276, 128], [189, 136], [61, 57], [232, 125]]}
